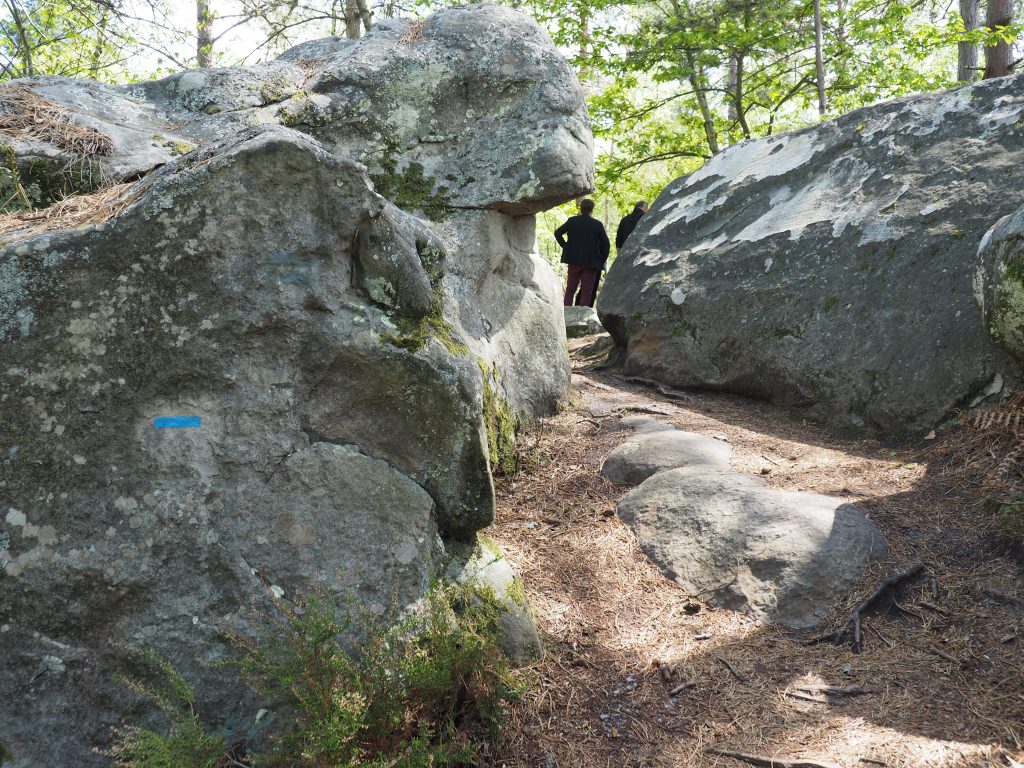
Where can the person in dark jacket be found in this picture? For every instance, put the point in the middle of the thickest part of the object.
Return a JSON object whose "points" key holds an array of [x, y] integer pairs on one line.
{"points": [[628, 224], [585, 249]]}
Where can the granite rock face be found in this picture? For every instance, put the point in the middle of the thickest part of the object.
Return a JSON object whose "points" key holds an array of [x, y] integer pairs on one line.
{"points": [[783, 556], [831, 268], [266, 374]]}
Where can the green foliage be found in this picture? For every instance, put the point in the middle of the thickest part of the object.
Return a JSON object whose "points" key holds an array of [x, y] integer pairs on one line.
{"points": [[14, 196], [502, 425], [5, 754], [1010, 522], [187, 743], [416, 693], [410, 189], [412, 333]]}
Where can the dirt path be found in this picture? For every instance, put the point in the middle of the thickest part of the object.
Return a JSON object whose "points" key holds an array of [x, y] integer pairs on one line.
{"points": [[946, 682]]}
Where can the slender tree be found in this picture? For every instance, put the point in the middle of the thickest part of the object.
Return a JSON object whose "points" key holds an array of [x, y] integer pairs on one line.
{"points": [[999, 57], [967, 52], [24, 46], [204, 34], [819, 60]]}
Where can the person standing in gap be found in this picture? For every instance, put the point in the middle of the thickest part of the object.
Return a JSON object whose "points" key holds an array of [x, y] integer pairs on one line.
{"points": [[585, 249], [628, 224]]}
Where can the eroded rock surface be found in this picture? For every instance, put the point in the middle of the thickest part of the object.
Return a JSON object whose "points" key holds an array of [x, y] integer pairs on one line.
{"points": [[263, 377], [784, 556], [652, 451], [831, 268]]}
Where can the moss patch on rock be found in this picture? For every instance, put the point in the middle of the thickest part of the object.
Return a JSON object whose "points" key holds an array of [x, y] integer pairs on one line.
{"points": [[502, 425], [413, 333], [411, 189]]}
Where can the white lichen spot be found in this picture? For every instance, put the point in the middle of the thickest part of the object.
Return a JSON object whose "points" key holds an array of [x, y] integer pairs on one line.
{"points": [[16, 517]]}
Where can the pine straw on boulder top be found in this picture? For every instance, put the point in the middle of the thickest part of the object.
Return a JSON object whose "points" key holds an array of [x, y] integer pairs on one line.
{"points": [[24, 114], [69, 213]]}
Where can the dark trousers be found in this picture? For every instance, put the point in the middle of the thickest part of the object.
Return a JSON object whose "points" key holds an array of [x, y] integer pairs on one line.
{"points": [[585, 280]]}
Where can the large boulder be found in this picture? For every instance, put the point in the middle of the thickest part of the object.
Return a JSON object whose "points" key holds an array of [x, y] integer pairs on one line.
{"points": [[831, 268], [255, 375], [999, 282], [783, 556]]}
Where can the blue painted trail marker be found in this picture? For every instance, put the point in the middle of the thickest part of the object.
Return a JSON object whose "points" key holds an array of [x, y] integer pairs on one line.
{"points": [[178, 422]]}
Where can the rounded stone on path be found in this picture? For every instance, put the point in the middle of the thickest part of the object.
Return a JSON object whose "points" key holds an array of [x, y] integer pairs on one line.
{"points": [[581, 321], [784, 556], [651, 452], [646, 424]]}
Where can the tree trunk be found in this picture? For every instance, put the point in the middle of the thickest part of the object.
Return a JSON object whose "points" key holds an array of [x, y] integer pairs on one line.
{"points": [[967, 53], [819, 60], [737, 99], [731, 85], [27, 70], [999, 57], [365, 15], [204, 34], [97, 51], [699, 91], [351, 19]]}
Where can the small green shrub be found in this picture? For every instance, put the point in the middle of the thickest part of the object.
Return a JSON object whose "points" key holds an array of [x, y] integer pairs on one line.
{"points": [[14, 195], [5, 754], [187, 743], [420, 693], [1010, 522]]}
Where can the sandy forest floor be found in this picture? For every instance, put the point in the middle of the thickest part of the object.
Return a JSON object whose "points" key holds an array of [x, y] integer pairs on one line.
{"points": [[944, 678]]}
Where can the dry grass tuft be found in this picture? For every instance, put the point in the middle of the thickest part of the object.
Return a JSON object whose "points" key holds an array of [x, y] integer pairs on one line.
{"points": [[72, 212], [413, 32], [25, 114]]}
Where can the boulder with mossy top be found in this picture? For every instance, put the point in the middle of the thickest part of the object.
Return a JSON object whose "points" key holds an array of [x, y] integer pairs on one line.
{"points": [[999, 282], [249, 375], [482, 568], [830, 269]]}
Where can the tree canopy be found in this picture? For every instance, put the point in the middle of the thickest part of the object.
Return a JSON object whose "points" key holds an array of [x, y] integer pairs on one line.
{"points": [[670, 82]]}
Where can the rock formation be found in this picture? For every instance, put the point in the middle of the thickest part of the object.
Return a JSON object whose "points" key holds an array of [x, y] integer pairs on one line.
{"points": [[783, 556], [272, 368], [999, 282], [831, 268], [581, 321]]}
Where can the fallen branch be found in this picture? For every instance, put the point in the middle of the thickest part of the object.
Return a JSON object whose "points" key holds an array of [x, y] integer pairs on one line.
{"points": [[882, 637], [729, 665], [769, 762], [933, 607], [661, 389], [681, 687], [943, 654], [805, 697], [837, 690], [889, 584]]}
